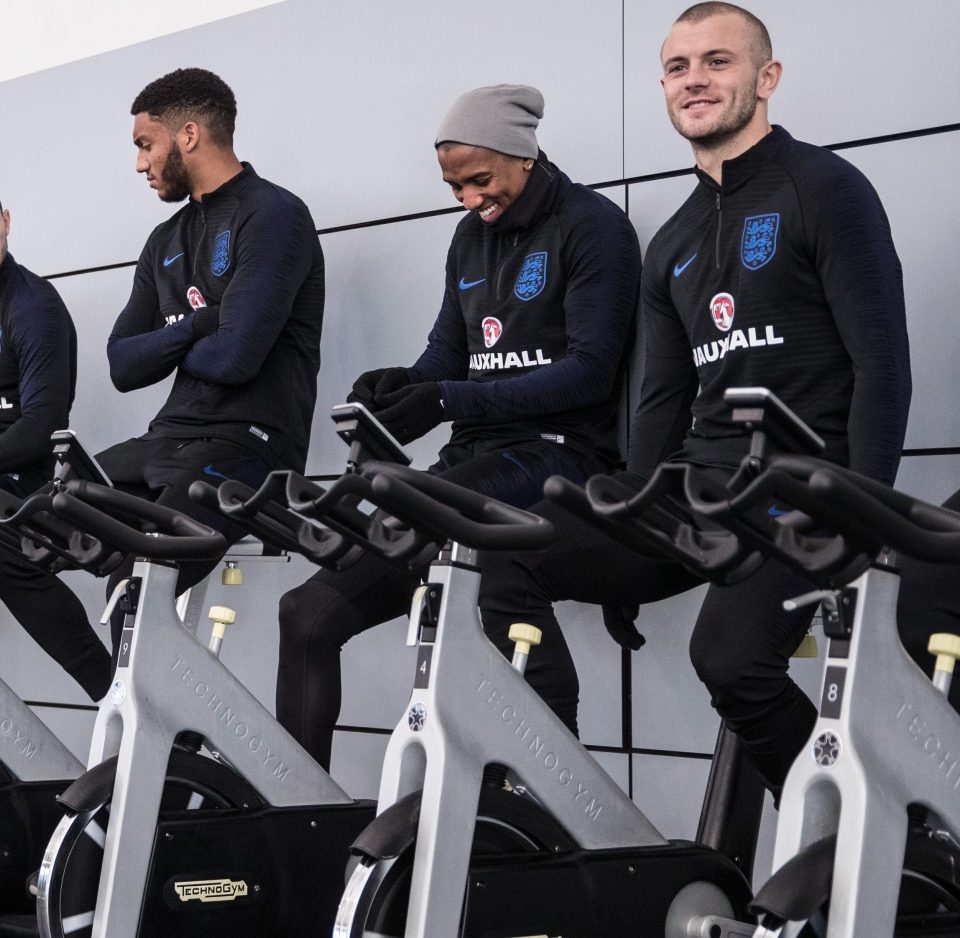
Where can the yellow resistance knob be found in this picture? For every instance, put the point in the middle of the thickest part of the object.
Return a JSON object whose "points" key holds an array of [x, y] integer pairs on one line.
{"points": [[231, 575], [947, 649], [524, 635], [221, 616], [807, 648]]}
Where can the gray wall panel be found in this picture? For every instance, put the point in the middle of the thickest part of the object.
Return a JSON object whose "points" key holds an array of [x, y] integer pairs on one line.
{"points": [[841, 81], [597, 659], [671, 709], [933, 478], [384, 289], [669, 791], [340, 104], [911, 176], [378, 670], [101, 414], [28, 670]]}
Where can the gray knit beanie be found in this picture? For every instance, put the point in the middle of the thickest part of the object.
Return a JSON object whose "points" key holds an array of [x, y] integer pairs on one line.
{"points": [[501, 117]]}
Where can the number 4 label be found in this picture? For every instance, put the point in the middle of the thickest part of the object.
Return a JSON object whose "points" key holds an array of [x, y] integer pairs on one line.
{"points": [[424, 660]]}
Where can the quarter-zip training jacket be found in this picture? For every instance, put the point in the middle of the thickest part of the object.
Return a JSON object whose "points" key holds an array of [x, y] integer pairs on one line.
{"points": [[784, 277], [229, 293], [38, 368], [537, 314]]}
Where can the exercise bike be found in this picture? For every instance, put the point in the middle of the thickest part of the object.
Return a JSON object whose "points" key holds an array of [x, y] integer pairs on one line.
{"points": [[159, 839], [493, 820], [886, 735], [35, 768]]}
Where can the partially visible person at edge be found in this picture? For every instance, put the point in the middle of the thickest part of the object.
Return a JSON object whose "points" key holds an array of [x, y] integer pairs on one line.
{"points": [[525, 359], [227, 295], [779, 270], [38, 379]]}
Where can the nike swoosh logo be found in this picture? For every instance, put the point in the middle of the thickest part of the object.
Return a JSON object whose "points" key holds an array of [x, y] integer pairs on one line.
{"points": [[466, 286], [680, 268], [167, 261], [210, 471], [777, 512]]}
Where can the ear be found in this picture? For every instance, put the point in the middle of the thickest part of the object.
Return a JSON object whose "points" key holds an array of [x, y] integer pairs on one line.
{"points": [[188, 136], [768, 78], [6, 221]]}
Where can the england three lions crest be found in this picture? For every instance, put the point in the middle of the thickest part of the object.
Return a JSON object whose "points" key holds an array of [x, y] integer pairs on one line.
{"points": [[532, 277], [759, 242], [221, 254]]}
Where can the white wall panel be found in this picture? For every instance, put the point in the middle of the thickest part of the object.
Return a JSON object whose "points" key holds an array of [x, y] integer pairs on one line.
{"points": [[355, 762]]}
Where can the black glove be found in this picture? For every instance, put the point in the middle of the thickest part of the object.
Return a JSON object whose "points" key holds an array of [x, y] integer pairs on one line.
{"points": [[411, 411], [619, 621], [371, 384], [206, 321]]}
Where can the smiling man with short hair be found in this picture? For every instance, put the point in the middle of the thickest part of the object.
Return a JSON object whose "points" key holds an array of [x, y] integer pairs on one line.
{"points": [[779, 270]]}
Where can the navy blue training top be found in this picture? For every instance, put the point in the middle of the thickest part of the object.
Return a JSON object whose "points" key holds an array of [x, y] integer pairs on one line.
{"points": [[38, 367], [229, 293], [786, 277], [538, 313]]}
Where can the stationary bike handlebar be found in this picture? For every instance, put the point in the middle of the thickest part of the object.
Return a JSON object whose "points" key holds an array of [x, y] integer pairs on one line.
{"points": [[867, 514], [820, 518], [134, 525], [30, 529], [824, 520], [438, 507], [266, 513], [420, 512], [660, 519]]}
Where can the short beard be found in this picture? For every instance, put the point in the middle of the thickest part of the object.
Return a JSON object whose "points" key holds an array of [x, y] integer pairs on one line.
{"points": [[175, 179], [726, 131]]}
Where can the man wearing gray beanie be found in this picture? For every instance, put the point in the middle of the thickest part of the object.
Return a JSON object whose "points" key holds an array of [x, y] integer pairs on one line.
{"points": [[502, 118], [525, 358]]}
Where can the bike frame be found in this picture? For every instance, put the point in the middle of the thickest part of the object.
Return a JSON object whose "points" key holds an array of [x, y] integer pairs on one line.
{"points": [[28, 749], [885, 738], [469, 708], [167, 682]]}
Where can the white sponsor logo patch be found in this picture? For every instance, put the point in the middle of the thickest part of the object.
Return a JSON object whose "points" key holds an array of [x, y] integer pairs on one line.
{"points": [[714, 351], [499, 361]]}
